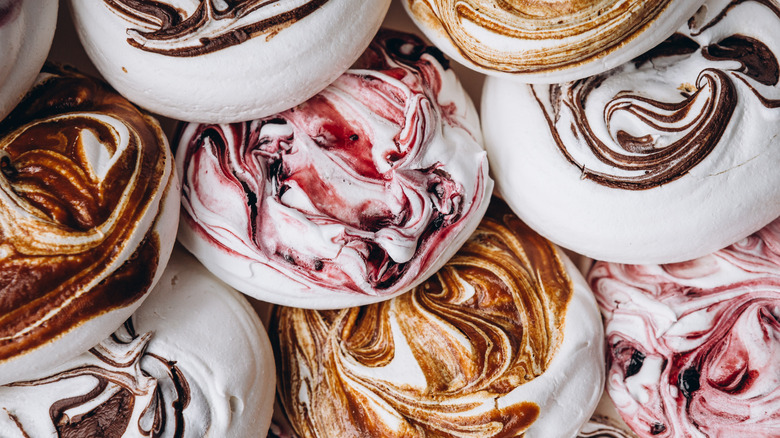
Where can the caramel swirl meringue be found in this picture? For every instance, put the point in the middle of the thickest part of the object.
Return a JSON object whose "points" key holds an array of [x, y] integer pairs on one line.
{"points": [[217, 61], [26, 33], [88, 213], [500, 342], [163, 374], [694, 347], [686, 134], [546, 41], [352, 197]]}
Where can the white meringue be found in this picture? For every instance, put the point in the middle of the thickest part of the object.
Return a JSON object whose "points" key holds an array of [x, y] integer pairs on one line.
{"points": [[664, 159], [26, 33], [216, 62]]}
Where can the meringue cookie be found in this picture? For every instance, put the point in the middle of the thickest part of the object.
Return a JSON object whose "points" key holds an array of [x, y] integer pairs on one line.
{"points": [[694, 347], [212, 61], [605, 422], [26, 33], [353, 197], [664, 159], [547, 41], [88, 215], [505, 340], [193, 361]]}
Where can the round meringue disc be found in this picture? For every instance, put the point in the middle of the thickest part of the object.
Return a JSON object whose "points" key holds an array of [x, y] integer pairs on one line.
{"points": [[222, 62], [547, 41], [193, 361], [350, 198], [664, 159], [694, 347], [26, 33], [505, 340], [88, 214]]}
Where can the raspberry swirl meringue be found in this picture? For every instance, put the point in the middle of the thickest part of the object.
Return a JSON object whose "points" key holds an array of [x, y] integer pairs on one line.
{"points": [[215, 61], [163, 374], [353, 197], [546, 41], [26, 33], [687, 134], [694, 347], [505, 340], [88, 214]]}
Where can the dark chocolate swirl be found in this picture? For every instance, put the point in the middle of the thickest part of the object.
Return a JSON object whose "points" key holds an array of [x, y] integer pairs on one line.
{"points": [[128, 383], [211, 26], [643, 142], [438, 360], [82, 182]]}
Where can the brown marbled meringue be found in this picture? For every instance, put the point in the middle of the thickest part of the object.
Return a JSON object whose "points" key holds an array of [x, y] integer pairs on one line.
{"points": [[449, 358], [548, 40], [87, 217]]}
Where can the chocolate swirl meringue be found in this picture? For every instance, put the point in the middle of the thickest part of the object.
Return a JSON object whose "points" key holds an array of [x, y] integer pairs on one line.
{"points": [[164, 374], [87, 217], [135, 392], [352, 197], [467, 353], [548, 41], [199, 27], [694, 347], [678, 135]]}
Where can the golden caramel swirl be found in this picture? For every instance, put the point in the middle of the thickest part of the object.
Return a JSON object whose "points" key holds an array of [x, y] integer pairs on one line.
{"points": [[558, 33], [82, 175], [438, 360]]}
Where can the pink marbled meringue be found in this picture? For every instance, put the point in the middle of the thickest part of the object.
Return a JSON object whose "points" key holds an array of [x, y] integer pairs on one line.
{"points": [[352, 197], [694, 347]]}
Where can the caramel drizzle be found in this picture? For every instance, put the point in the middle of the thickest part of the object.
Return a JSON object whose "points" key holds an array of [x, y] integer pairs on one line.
{"points": [[172, 32], [645, 164], [121, 382], [489, 321], [582, 30], [67, 225]]}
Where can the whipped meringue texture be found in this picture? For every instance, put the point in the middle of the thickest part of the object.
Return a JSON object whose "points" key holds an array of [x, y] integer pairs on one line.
{"points": [[221, 62], [664, 159], [89, 213], [547, 41], [504, 340], [194, 360], [352, 197], [26, 33], [694, 347]]}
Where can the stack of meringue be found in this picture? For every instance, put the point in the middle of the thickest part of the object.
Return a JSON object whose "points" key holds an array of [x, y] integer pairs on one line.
{"points": [[339, 176]]}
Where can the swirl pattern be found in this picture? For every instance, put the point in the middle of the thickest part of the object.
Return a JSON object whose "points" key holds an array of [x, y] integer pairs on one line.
{"points": [[634, 142], [357, 189], [694, 346], [83, 176], [205, 26], [439, 360], [134, 393], [554, 35]]}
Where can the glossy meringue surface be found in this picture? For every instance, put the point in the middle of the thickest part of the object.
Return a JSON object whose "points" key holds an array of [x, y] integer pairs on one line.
{"points": [[694, 347], [88, 217], [162, 374], [352, 197], [685, 134], [499, 342]]}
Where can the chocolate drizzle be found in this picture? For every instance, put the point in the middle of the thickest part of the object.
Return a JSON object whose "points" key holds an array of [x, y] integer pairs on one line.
{"points": [[437, 359], [128, 383], [171, 31], [568, 32], [82, 171], [667, 139]]}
